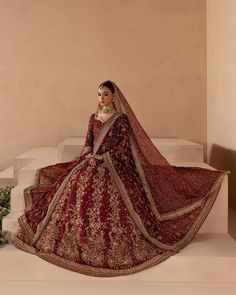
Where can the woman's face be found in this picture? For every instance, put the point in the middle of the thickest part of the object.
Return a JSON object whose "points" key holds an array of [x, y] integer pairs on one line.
{"points": [[105, 96]]}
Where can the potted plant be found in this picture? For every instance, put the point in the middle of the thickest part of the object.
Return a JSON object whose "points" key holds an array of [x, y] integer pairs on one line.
{"points": [[5, 205]]}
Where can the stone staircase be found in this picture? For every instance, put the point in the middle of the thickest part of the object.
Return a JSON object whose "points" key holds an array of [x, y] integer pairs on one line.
{"points": [[210, 257]]}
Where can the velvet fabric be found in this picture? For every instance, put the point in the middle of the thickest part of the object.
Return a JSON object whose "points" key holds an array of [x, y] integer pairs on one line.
{"points": [[131, 211]]}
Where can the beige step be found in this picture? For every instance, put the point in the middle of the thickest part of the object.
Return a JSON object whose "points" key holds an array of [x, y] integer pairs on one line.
{"points": [[33, 154], [10, 223], [179, 149], [17, 200], [70, 148], [173, 149], [7, 177], [26, 174], [208, 258]]}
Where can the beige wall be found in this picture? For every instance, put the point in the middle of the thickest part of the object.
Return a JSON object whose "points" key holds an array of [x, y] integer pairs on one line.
{"points": [[54, 53], [221, 88]]}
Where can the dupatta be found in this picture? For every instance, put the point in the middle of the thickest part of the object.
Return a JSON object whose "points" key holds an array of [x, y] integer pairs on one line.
{"points": [[171, 190]]}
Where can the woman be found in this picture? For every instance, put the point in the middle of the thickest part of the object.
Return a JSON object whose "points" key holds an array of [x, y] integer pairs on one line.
{"points": [[119, 207]]}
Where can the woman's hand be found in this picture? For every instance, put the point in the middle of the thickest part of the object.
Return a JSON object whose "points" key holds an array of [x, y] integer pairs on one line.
{"points": [[89, 155], [85, 153], [92, 162], [92, 158], [98, 157]]}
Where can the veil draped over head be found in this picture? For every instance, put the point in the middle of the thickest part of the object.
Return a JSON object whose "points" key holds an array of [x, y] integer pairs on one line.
{"points": [[129, 213], [171, 190]]}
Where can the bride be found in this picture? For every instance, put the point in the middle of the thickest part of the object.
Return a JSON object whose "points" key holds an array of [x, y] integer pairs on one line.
{"points": [[119, 207]]}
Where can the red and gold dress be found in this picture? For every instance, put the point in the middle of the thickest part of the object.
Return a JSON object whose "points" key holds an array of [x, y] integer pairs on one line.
{"points": [[100, 220]]}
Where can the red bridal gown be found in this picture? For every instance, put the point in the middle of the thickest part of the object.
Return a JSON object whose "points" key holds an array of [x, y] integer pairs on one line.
{"points": [[98, 220]]}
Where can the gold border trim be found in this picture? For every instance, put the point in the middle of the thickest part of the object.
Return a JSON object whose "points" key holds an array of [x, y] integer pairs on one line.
{"points": [[86, 149], [37, 177], [125, 196], [54, 202], [212, 194], [22, 246], [171, 214], [26, 229], [90, 270], [103, 131], [27, 198]]}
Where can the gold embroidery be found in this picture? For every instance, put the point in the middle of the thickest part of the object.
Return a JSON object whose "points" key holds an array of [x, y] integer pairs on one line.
{"points": [[128, 203], [193, 230], [125, 246], [86, 150], [104, 131], [70, 248], [54, 202], [51, 234], [93, 249], [119, 254], [169, 215]]}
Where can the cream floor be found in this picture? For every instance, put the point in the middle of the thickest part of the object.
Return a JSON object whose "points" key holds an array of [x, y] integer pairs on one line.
{"points": [[115, 288], [207, 265]]}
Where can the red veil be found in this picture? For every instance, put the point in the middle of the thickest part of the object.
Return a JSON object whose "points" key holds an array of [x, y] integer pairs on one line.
{"points": [[152, 203], [172, 191]]}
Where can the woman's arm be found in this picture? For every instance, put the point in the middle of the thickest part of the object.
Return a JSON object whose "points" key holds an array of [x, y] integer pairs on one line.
{"points": [[121, 147], [120, 150], [88, 145]]}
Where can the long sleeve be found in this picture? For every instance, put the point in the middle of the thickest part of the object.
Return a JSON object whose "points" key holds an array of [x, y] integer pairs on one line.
{"points": [[88, 145], [89, 134], [120, 150]]}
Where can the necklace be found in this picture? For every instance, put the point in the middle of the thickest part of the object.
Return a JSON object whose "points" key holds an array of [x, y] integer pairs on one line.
{"points": [[107, 110]]}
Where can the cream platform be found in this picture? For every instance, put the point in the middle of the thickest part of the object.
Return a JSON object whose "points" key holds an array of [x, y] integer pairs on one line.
{"points": [[208, 262], [178, 151]]}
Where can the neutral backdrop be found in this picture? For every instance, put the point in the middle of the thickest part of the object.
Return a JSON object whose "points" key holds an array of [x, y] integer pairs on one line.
{"points": [[221, 89], [55, 53]]}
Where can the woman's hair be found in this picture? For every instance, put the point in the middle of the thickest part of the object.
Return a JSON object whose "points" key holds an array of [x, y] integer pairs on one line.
{"points": [[108, 84]]}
